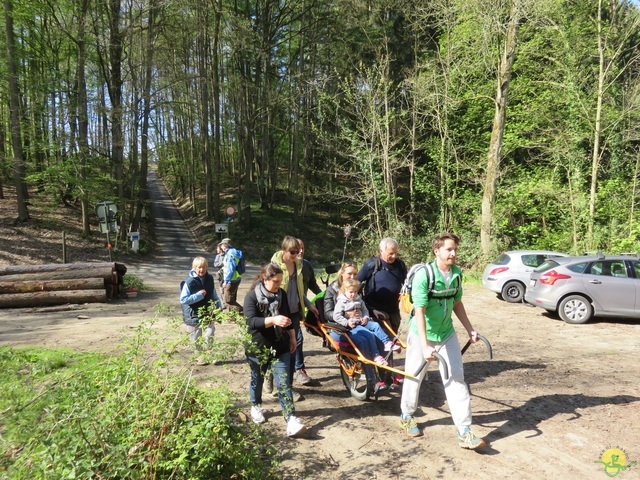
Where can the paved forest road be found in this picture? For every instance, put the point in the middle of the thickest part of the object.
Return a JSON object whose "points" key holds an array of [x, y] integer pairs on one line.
{"points": [[176, 245]]}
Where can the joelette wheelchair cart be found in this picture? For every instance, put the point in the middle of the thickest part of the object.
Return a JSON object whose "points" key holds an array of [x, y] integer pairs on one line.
{"points": [[352, 361]]}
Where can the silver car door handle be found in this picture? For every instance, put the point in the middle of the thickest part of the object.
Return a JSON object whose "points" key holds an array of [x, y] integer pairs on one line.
{"points": [[595, 282]]}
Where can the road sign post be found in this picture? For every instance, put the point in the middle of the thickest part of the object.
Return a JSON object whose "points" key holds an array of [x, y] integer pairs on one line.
{"points": [[106, 211]]}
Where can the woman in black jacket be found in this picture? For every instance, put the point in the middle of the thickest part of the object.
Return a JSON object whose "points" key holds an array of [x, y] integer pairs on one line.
{"points": [[273, 342]]}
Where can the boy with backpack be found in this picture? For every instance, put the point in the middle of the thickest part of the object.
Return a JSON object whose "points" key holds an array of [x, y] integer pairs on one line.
{"points": [[233, 268], [436, 293]]}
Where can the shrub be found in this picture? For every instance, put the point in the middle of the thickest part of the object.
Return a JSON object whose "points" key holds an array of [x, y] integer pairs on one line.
{"points": [[132, 415], [130, 281]]}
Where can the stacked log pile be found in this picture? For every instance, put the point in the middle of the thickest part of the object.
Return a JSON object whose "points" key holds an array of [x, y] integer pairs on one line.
{"points": [[56, 284]]}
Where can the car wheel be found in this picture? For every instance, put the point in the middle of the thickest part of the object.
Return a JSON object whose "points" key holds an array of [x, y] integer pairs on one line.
{"points": [[575, 309], [513, 292]]}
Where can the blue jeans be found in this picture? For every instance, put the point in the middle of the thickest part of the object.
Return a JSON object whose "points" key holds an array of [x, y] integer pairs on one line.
{"points": [[280, 368], [297, 361], [366, 343], [375, 328]]}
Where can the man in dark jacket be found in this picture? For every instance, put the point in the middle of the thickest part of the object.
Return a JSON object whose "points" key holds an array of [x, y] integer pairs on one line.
{"points": [[382, 278]]}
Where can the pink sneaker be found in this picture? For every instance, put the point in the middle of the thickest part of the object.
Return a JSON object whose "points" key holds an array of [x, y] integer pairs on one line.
{"points": [[380, 360], [391, 346]]}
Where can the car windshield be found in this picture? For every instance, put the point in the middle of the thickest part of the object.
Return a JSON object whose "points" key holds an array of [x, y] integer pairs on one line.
{"points": [[549, 264], [534, 259], [503, 259]]}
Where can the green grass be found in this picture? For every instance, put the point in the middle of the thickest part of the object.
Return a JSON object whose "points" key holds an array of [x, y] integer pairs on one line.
{"points": [[138, 414]]}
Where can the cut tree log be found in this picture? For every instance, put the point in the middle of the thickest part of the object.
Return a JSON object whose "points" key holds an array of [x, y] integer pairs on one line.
{"points": [[56, 284], [60, 267], [42, 299], [107, 273], [50, 285]]}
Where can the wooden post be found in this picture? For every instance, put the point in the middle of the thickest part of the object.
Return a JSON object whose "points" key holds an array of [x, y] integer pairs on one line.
{"points": [[64, 247]]}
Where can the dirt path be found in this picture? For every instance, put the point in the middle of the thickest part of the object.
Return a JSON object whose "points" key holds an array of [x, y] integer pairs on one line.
{"points": [[554, 398]]}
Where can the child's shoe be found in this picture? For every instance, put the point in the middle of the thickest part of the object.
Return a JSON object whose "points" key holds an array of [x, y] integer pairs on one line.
{"points": [[381, 387], [397, 382], [391, 346], [409, 426], [380, 360]]}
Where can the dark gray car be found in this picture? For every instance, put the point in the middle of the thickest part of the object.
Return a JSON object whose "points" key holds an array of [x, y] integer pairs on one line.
{"points": [[577, 288]]}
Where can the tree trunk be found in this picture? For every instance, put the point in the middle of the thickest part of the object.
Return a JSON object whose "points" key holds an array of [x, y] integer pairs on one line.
{"points": [[215, 61], [19, 168], [115, 83], [203, 81], [41, 299], [597, 133], [111, 273], [146, 112], [83, 118], [30, 286], [497, 132]]}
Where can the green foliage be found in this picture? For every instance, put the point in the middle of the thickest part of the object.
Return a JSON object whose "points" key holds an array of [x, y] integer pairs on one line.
{"points": [[132, 415], [131, 281], [376, 114]]}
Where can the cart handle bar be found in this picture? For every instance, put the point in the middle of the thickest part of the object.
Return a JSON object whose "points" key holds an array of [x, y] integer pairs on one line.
{"points": [[443, 364], [485, 341]]}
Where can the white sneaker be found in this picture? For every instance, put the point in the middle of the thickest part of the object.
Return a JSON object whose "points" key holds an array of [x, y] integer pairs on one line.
{"points": [[256, 414], [294, 427]]}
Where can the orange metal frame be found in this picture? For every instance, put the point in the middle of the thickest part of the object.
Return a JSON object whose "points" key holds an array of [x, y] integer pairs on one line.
{"points": [[323, 330]]}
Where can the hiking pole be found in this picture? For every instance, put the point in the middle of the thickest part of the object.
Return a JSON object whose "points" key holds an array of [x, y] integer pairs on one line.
{"points": [[485, 341]]}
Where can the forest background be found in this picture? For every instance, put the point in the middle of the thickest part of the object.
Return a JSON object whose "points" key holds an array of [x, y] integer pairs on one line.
{"points": [[512, 122]]}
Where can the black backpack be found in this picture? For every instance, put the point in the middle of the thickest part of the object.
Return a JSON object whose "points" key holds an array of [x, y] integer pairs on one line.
{"points": [[310, 318], [369, 285]]}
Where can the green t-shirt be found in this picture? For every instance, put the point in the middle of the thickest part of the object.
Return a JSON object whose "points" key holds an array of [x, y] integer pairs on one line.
{"points": [[438, 309]]}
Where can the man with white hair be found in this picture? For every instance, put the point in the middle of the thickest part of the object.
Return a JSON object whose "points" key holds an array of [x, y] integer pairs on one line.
{"points": [[382, 278]]}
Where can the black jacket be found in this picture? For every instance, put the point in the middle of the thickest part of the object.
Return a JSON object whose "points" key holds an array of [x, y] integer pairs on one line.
{"points": [[275, 337]]}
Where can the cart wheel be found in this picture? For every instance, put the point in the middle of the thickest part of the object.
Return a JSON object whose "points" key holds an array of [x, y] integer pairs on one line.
{"points": [[354, 378]]}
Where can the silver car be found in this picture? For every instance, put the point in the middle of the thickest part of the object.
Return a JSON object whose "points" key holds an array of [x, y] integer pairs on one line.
{"points": [[508, 275], [577, 288]]}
